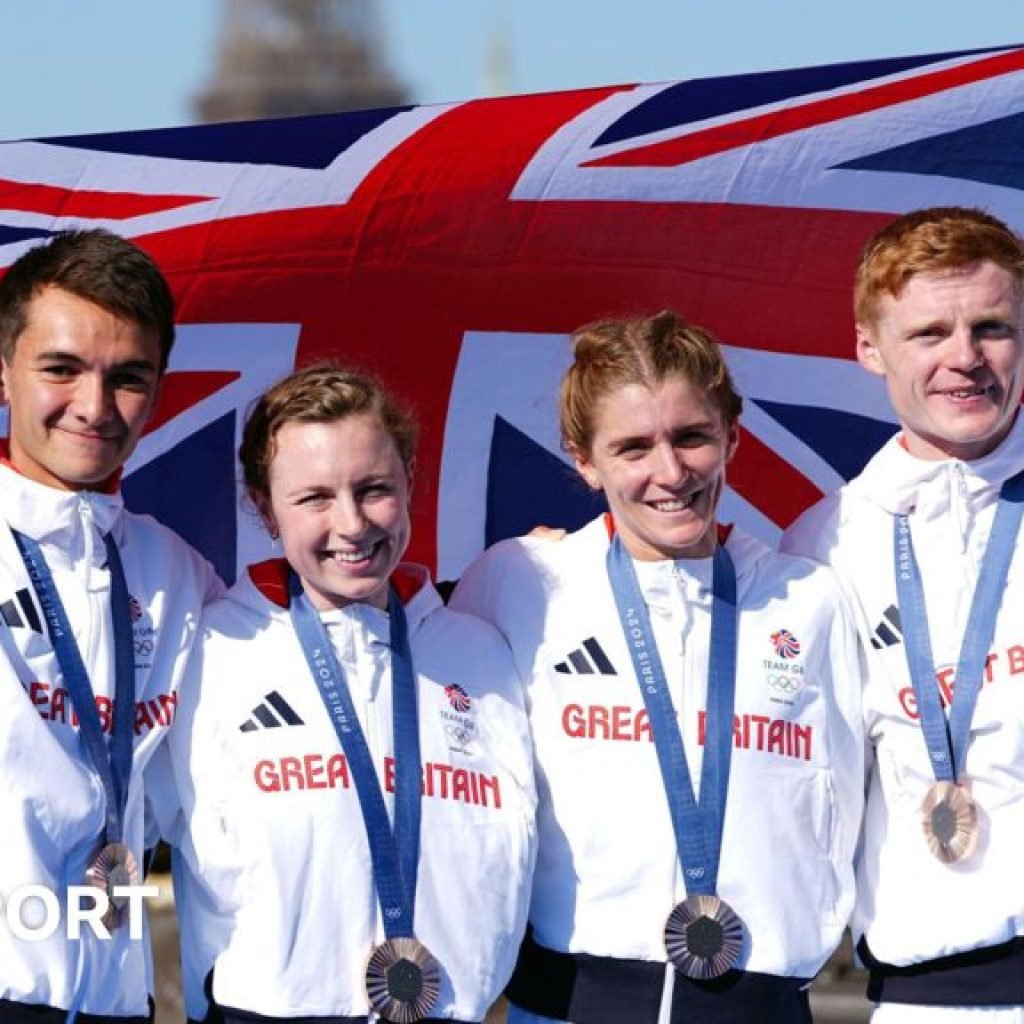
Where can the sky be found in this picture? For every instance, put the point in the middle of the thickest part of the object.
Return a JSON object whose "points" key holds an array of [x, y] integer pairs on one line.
{"points": [[79, 66]]}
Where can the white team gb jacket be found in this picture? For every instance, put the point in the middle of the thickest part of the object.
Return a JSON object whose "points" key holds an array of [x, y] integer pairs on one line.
{"points": [[276, 893], [52, 804], [608, 871], [911, 907]]}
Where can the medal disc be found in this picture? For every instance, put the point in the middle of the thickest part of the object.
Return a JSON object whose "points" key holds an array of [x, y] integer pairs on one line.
{"points": [[402, 980], [950, 820], [113, 866], [703, 937]]}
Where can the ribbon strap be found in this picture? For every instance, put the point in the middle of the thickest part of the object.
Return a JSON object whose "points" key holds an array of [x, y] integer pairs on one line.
{"points": [[698, 825], [947, 740], [114, 767], [394, 853]]}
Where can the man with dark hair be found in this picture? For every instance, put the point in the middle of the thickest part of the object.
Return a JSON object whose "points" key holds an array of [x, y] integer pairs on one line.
{"points": [[98, 266], [99, 608], [926, 540]]}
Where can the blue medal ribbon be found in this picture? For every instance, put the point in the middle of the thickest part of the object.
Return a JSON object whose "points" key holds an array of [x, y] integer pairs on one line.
{"points": [[946, 739], [697, 824], [113, 765], [394, 853]]}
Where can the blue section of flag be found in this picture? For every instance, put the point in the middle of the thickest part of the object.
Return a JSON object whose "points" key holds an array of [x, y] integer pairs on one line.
{"points": [[310, 142], [527, 486], [991, 152], [191, 489], [10, 234], [702, 98], [844, 440]]}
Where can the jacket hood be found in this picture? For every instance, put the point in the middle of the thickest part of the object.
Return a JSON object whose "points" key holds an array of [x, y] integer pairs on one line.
{"points": [[897, 482]]}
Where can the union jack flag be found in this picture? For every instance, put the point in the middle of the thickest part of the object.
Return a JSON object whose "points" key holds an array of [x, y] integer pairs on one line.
{"points": [[452, 248]]}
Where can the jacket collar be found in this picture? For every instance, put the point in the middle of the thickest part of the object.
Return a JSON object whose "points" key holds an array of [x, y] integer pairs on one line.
{"points": [[411, 583], [58, 519], [899, 482], [662, 582]]}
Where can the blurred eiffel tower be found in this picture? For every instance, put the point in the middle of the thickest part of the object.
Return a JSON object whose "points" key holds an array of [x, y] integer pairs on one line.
{"points": [[279, 58]]}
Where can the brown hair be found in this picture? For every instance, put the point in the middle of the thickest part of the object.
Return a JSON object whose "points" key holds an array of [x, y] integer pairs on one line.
{"points": [[611, 354], [321, 393], [95, 265], [934, 239]]}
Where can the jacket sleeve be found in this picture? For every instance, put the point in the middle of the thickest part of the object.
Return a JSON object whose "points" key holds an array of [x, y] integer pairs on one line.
{"points": [[813, 534], [846, 729], [480, 591], [207, 860]]}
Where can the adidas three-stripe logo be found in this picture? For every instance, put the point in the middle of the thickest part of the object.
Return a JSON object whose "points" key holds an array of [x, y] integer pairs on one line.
{"points": [[577, 661], [263, 716], [20, 611], [888, 633]]}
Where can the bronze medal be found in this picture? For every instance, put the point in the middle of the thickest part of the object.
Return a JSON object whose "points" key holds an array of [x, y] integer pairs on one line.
{"points": [[113, 866], [402, 980], [704, 937], [950, 820]]}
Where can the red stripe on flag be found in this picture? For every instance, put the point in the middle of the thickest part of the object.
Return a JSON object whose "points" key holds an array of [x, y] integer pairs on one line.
{"points": [[182, 390], [395, 277], [756, 471], [65, 202], [751, 130]]}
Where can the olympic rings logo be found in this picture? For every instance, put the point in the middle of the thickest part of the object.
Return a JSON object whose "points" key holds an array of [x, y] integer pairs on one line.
{"points": [[783, 683], [459, 734]]}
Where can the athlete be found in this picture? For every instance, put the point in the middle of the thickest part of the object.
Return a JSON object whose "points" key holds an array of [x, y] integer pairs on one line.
{"points": [[99, 608], [357, 776], [694, 703], [926, 541]]}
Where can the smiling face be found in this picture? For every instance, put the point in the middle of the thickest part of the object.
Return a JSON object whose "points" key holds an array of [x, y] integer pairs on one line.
{"points": [[659, 454], [951, 351], [81, 384], [339, 499]]}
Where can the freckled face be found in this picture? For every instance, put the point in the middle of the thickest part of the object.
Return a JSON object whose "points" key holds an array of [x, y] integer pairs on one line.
{"points": [[659, 455], [339, 498]]}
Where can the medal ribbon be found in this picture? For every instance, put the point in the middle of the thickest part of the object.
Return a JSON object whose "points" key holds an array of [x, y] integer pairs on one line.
{"points": [[394, 853], [946, 739], [697, 824], [113, 765]]}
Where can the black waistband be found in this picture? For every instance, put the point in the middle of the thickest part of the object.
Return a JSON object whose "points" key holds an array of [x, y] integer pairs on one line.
{"points": [[12, 1012], [989, 976], [589, 989]]}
